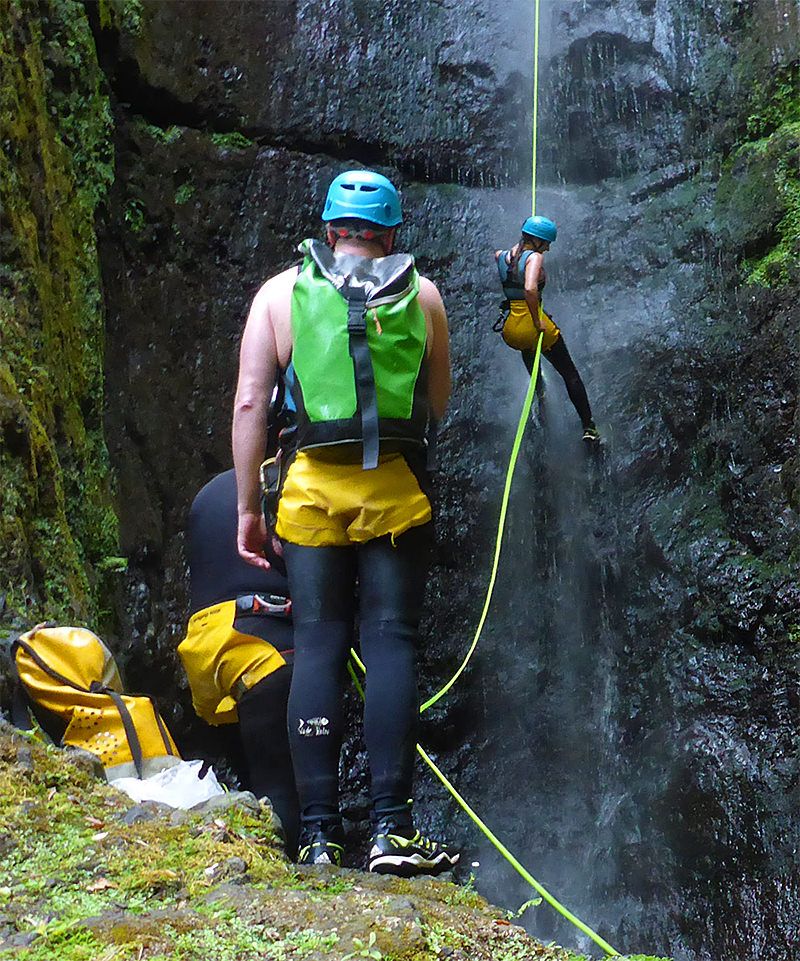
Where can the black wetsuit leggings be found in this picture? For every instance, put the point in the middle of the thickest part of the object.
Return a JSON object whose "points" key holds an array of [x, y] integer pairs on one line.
{"points": [[391, 583], [262, 722], [559, 357]]}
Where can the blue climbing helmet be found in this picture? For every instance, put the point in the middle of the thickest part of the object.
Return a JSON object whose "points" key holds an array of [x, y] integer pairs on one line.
{"points": [[363, 195], [540, 227]]}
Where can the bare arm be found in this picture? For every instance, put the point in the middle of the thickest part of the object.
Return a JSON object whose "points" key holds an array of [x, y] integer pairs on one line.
{"points": [[257, 367], [533, 270], [439, 376]]}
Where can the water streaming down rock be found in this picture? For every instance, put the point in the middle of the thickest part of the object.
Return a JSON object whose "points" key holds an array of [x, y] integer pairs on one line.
{"points": [[628, 726], [658, 808]]}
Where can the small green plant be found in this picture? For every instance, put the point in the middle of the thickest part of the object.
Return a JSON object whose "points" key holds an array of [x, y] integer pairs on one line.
{"points": [[465, 894], [363, 950], [533, 903], [439, 936], [121, 14], [231, 141], [134, 215], [184, 193], [166, 135]]}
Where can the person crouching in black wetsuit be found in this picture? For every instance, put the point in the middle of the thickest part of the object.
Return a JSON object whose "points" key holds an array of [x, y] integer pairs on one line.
{"points": [[239, 646]]}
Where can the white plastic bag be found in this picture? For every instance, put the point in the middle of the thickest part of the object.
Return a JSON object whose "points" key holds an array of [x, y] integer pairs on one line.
{"points": [[179, 786]]}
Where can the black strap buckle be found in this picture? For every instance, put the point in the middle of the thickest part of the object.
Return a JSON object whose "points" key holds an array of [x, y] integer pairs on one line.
{"points": [[356, 311]]}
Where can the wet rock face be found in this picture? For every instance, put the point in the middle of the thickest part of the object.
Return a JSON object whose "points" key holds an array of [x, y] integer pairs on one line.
{"points": [[422, 89], [657, 699]]}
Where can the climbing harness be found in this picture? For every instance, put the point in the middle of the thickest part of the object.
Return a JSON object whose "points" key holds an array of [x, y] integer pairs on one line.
{"points": [[223, 662], [526, 408], [515, 324]]}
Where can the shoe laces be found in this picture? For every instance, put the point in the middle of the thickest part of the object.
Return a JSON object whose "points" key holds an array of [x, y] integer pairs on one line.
{"points": [[418, 839]]}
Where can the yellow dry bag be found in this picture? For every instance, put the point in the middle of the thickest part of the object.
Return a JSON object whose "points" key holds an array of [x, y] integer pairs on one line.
{"points": [[69, 674]]}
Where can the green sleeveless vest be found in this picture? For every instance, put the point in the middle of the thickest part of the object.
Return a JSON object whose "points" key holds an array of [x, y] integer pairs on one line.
{"points": [[358, 373]]}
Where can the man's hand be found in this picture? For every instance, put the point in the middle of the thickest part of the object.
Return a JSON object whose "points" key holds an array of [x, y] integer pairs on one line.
{"points": [[251, 539]]}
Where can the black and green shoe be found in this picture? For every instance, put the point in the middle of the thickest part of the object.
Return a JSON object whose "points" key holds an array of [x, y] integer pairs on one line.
{"points": [[406, 852], [321, 844]]}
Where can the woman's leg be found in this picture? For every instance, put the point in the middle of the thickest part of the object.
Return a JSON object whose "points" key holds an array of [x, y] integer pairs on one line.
{"points": [[322, 583], [559, 357], [391, 590], [528, 357]]}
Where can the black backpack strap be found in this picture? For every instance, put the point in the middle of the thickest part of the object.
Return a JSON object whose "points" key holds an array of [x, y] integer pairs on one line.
{"points": [[20, 702], [162, 729], [365, 377], [127, 723], [46, 667]]}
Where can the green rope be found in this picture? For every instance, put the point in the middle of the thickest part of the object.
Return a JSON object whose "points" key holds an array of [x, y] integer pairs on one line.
{"points": [[494, 840], [535, 103], [523, 420], [564, 912]]}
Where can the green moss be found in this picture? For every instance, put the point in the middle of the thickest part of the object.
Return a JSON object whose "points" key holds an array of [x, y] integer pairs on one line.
{"points": [[758, 200], [91, 887], [231, 141], [56, 515], [166, 135], [134, 215], [121, 15], [778, 267], [184, 193], [774, 104]]}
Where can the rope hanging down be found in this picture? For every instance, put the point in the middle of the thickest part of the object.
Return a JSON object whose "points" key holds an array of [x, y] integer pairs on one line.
{"points": [[501, 524], [523, 420], [535, 104], [526, 406]]}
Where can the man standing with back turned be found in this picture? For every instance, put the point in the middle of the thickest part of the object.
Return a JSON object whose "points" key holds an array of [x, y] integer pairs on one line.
{"points": [[362, 341]]}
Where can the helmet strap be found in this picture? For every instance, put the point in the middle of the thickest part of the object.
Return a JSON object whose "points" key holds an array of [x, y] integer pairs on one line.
{"points": [[365, 235]]}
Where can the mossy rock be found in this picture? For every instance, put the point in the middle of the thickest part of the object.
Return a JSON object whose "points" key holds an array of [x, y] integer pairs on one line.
{"points": [[56, 515], [80, 883], [749, 204]]}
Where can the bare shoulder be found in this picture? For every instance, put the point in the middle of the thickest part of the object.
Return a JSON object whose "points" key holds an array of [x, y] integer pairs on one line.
{"points": [[277, 288], [429, 296]]}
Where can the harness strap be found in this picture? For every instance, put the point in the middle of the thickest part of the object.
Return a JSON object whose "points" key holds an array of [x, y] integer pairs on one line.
{"points": [[270, 605], [365, 378]]}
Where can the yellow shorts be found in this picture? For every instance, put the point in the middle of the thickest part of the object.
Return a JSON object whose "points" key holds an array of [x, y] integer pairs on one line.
{"points": [[328, 504], [519, 332], [221, 663]]}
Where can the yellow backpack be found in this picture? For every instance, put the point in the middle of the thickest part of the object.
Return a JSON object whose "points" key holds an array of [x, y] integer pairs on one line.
{"points": [[74, 685]]}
